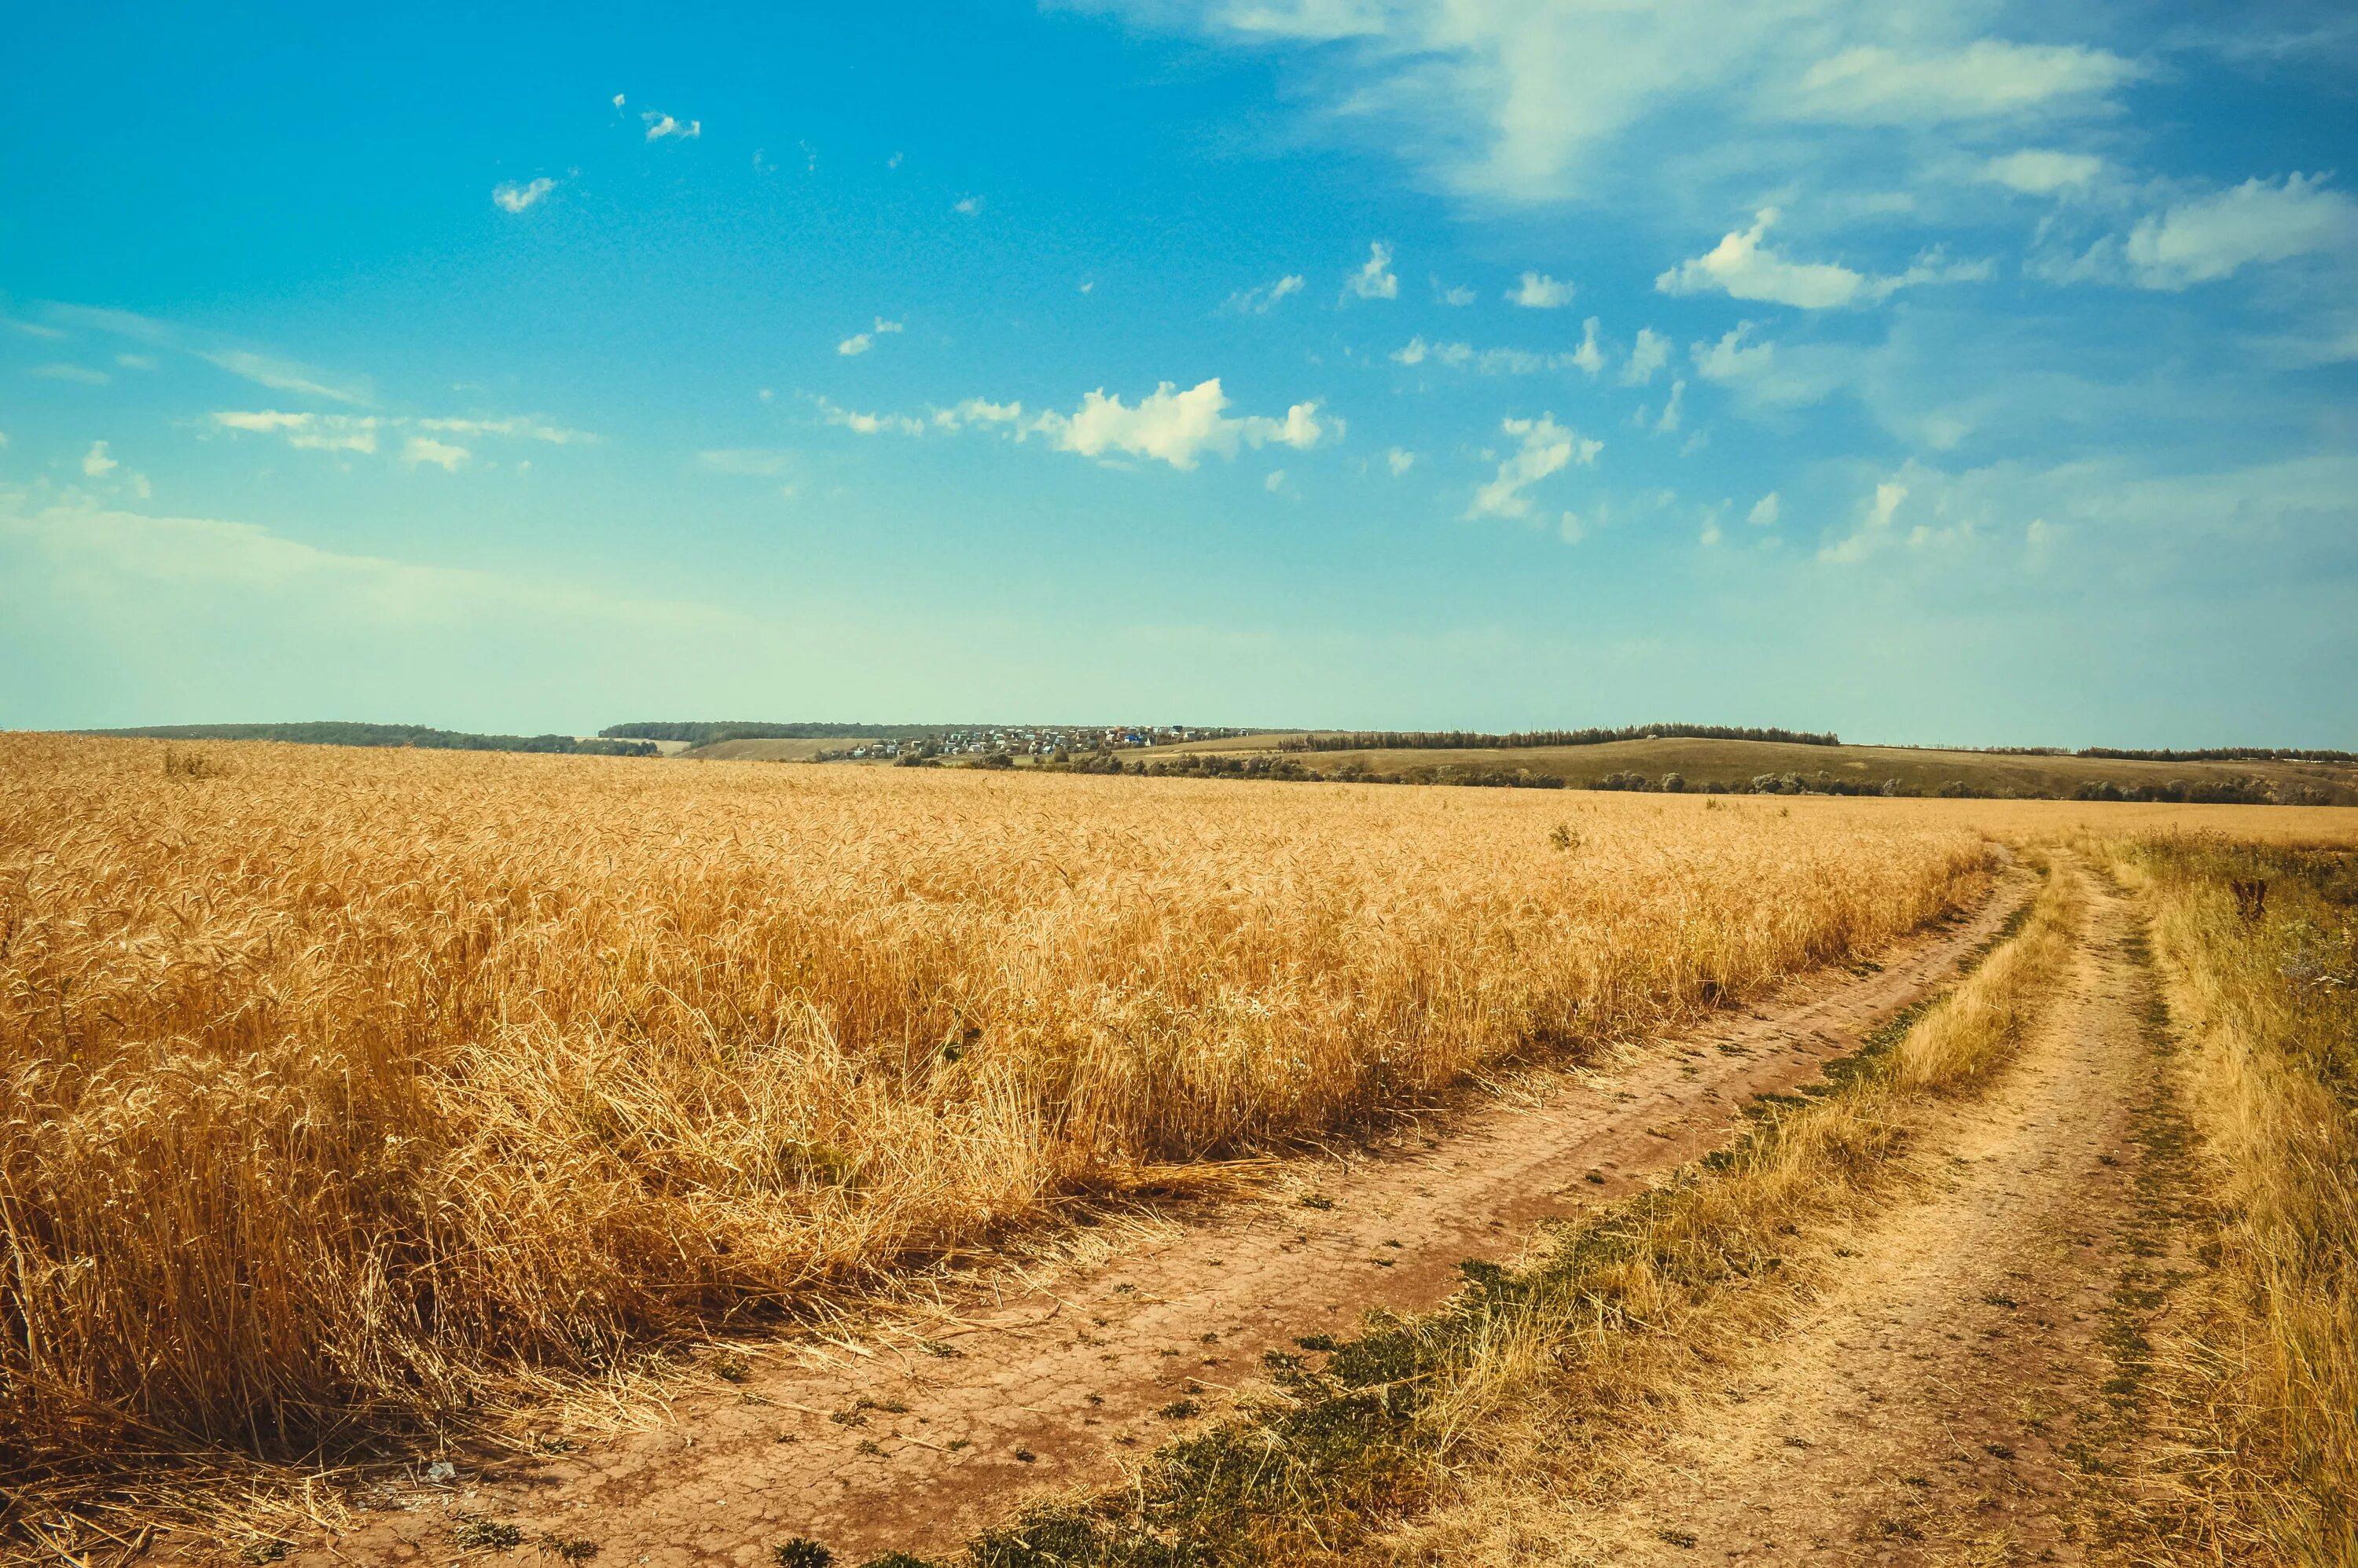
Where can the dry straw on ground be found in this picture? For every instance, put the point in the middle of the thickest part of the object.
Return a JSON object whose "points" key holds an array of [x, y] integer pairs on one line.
{"points": [[343, 1085]]}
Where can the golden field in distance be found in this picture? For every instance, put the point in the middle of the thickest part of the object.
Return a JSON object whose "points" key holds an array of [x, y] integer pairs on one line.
{"points": [[1733, 763], [343, 1085]]}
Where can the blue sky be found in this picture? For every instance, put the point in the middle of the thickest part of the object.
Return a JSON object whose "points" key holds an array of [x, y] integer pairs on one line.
{"points": [[1966, 372]]}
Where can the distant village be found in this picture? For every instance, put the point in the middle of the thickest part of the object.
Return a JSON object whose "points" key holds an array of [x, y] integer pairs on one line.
{"points": [[1019, 740]]}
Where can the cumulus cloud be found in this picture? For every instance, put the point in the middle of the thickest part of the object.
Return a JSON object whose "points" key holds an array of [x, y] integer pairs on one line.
{"points": [[1542, 447], [1176, 428], [1376, 280], [2038, 171], [2254, 224], [967, 206], [660, 125], [1765, 511], [1731, 359], [1589, 356], [1869, 84], [1649, 353], [1538, 291], [1673, 411], [1742, 267], [1456, 295], [95, 463], [419, 450], [859, 342], [1400, 461], [1167, 425], [513, 198]]}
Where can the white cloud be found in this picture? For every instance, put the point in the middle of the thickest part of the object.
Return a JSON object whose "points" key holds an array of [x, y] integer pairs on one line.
{"points": [[358, 432], [660, 125], [36, 330], [617, 101], [421, 449], [1649, 353], [1672, 411], [1729, 360], [1765, 511], [511, 197], [1743, 267], [519, 428], [1275, 481], [282, 375], [869, 423], [1177, 427], [81, 374], [1457, 294], [1543, 447], [1540, 292], [2255, 222], [1400, 461], [975, 411], [858, 343], [2036, 172], [967, 206], [1589, 356], [1873, 530], [1869, 84], [1376, 280], [1257, 301], [1486, 362], [1740, 265], [319, 432], [95, 463]]}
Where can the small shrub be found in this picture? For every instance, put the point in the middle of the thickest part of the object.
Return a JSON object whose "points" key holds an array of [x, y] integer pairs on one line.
{"points": [[801, 1551]]}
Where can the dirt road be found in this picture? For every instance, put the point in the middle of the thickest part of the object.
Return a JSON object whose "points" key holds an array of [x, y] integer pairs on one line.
{"points": [[920, 1432], [1969, 1369]]}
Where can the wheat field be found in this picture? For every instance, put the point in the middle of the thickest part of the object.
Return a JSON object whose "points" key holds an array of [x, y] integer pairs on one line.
{"points": [[341, 1085]]}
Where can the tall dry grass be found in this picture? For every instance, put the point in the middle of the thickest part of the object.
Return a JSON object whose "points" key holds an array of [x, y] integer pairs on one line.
{"points": [[2265, 1002], [340, 1084]]}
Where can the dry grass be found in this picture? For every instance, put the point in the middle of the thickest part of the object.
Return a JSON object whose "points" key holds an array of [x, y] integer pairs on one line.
{"points": [[346, 1089], [2262, 1379]]}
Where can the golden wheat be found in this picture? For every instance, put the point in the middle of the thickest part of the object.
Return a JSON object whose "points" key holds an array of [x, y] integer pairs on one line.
{"points": [[339, 1083]]}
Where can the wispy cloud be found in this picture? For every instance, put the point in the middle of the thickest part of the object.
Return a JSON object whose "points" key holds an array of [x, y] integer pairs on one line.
{"points": [[661, 125], [359, 432], [1542, 447], [1257, 301], [511, 197], [967, 206], [1376, 279], [2258, 221], [1743, 266], [860, 342], [422, 450], [81, 374]]}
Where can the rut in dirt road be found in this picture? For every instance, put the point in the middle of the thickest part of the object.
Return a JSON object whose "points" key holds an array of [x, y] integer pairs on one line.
{"points": [[1949, 1393], [922, 1432]]}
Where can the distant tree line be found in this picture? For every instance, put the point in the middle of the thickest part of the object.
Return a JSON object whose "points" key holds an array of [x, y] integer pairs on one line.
{"points": [[1469, 739], [336, 732]]}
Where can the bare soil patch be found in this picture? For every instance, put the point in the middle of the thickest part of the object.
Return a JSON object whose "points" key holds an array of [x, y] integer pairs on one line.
{"points": [[936, 1422]]}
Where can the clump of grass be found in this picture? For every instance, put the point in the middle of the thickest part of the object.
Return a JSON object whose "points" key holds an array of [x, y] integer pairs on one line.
{"points": [[474, 1534], [2260, 1385], [801, 1551]]}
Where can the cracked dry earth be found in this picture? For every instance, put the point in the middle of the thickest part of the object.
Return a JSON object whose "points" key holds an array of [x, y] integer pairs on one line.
{"points": [[1936, 1403], [945, 1420]]}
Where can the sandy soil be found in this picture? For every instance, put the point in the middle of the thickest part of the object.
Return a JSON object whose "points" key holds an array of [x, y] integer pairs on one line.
{"points": [[1936, 1403], [921, 1431]]}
